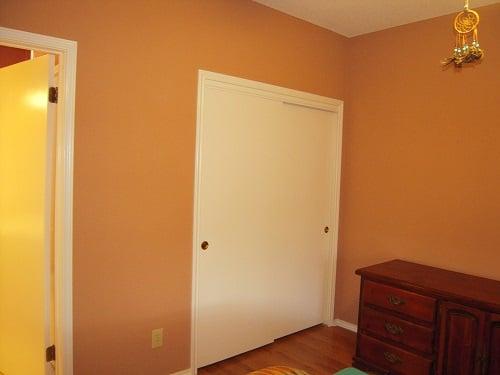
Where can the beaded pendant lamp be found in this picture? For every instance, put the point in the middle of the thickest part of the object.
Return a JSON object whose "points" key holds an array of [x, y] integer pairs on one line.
{"points": [[467, 48]]}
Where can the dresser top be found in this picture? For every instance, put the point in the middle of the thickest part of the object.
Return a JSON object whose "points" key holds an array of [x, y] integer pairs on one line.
{"points": [[454, 286]]}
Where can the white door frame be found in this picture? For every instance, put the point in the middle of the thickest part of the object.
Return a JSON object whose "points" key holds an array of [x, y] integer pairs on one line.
{"points": [[287, 96], [63, 231]]}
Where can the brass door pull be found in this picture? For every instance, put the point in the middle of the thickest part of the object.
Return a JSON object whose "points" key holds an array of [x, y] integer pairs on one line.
{"points": [[394, 329], [396, 301], [392, 358], [204, 245]]}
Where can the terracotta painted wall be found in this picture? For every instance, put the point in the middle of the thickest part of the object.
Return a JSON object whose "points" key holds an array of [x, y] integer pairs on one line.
{"points": [[10, 55], [134, 152], [421, 171], [420, 164]]}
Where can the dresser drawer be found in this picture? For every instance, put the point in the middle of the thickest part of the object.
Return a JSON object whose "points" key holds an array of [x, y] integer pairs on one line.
{"points": [[402, 301], [391, 358], [388, 326]]}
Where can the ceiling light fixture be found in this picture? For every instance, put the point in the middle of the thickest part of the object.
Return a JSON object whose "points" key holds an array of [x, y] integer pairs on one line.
{"points": [[467, 48]]}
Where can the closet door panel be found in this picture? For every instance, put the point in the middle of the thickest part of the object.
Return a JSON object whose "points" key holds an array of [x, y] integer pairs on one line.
{"points": [[264, 193]]}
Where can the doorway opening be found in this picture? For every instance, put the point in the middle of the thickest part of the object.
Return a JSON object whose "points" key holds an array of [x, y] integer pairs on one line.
{"points": [[37, 86], [265, 215]]}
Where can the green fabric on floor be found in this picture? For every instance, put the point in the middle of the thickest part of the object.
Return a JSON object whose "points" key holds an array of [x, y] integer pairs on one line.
{"points": [[350, 371]]}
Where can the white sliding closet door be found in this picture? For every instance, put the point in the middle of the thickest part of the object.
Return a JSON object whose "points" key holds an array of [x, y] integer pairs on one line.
{"points": [[264, 199]]}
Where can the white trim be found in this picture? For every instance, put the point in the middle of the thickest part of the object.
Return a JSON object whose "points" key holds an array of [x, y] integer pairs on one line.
{"points": [[287, 96], [329, 323], [63, 238], [335, 205], [183, 372], [343, 324], [269, 91]]}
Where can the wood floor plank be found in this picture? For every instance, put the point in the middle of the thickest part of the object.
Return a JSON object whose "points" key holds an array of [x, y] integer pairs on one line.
{"points": [[319, 350]]}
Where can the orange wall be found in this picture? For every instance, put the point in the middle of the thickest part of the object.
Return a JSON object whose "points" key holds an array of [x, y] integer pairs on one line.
{"points": [[9, 55], [134, 151], [420, 164], [421, 171]]}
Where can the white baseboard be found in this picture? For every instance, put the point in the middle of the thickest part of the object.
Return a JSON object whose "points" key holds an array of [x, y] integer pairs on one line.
{"points": [[329, 323], [343, 324], [183, 372]]}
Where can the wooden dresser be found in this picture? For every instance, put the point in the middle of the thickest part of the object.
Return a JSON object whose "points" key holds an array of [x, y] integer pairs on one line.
{"points": [[415, 319]]}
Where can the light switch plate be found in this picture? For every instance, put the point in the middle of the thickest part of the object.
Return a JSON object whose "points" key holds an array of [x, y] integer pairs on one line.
{"points": [[156, 338]]}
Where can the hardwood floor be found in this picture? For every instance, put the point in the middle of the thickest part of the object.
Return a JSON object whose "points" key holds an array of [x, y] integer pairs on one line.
{"points": [[319, 350]]}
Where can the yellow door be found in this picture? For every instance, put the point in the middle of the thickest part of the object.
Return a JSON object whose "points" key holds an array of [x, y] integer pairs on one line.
{"points": [[26, 174]]}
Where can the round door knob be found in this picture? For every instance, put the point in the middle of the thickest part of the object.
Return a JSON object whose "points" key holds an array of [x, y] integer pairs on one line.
{"points": [[204, 245], [327, 229]]}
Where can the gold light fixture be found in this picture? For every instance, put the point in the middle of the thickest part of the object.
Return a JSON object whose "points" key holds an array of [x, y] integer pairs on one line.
{"points": [[467, 48]]}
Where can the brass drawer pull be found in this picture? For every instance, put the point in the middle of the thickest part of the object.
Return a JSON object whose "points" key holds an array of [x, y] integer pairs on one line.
{"points": [[394, 329], [396, 301], [392, 358]]}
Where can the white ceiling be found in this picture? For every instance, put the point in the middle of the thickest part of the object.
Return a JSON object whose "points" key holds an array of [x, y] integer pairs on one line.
{"points": [[356, 17]]}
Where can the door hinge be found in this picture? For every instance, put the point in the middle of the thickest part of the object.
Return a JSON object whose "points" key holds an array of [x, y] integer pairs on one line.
{"points": [[50, 353], [53, 94]]}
